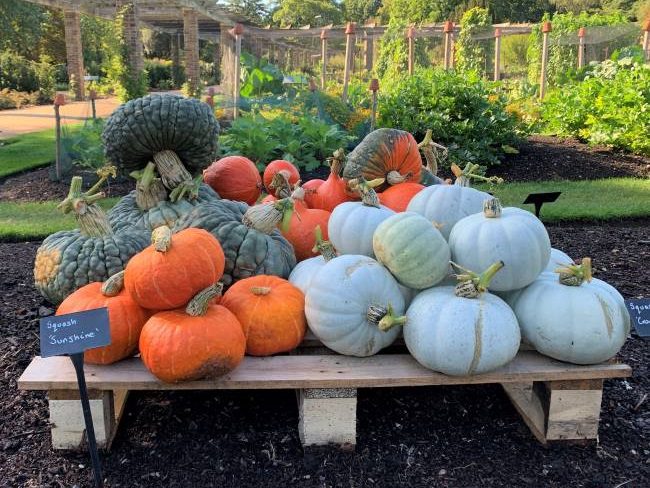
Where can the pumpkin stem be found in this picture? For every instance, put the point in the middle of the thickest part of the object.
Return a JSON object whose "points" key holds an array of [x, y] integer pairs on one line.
{"points": [[114, 285], [336, 161], [260, 290], [198, 306], [575, 274], [265, 217], [384, 317], [434, 153], [187, 189], [471, 284], [395, 177], [149, 190], [492, 208], [325, 248], [91, 219], [365, 189], [280, 183], [161, 238], [465, 175], [174, 174]]}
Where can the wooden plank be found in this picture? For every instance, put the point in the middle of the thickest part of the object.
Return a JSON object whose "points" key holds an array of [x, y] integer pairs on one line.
{"points": [[311, 371], [530, 407], [574, 409]]}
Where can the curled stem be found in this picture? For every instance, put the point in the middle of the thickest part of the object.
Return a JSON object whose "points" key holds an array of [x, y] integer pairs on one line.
{"points": [[325, 248], [198, 306], [575, 274]]}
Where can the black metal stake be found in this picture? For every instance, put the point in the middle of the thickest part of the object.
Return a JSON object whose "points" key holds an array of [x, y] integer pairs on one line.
{"points": [[539, 199], [78, 362]]}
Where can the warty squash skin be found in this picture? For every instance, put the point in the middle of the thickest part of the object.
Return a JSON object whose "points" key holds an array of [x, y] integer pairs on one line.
{"points": [[350, 301], [248, 252], [204, 340], [271, 311], [511, 235], [412, 249], [585, 322], [168, 273], [70, 259], [461, 335], [126, 318]]}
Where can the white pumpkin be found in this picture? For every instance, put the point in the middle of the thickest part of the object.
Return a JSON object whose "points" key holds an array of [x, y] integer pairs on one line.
{"points": [[349, 301], [557, 258], [447, 204], [304, 271], [572, 317], [412, 249], [352, 224], [459, 335], [511, 235]]}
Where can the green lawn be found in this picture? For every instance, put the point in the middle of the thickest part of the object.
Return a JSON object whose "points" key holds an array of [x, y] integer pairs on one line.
{"points": [[25, 221], [606, 199]]}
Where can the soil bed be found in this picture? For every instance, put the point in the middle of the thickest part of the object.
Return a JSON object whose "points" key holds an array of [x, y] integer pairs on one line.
{"points": [[426, 436]]}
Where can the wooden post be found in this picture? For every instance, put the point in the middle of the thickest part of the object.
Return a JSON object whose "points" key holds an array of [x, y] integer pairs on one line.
{"points": [[349, 58], [546, 29], [368, 51], [646, 39], [448, 30], [374, 88], [237, 31], [581, 47], [59, 100], [497, 54], [93, 97], [410, 34]]}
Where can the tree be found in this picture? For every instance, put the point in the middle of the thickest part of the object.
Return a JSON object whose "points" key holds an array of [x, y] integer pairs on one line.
{"points": [[361, 10], [20, 27], [308, 12], [254, 10]]}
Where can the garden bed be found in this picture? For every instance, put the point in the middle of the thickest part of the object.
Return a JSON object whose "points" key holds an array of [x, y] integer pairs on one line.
{"points": [[411, 436]]}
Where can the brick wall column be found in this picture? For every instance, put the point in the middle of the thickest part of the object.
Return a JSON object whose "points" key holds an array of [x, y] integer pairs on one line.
{"points": [[131, 33], [74, 52], [191, 51]]}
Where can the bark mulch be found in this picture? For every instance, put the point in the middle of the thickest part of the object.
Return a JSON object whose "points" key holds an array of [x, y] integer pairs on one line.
{"points": [[428, 436]]}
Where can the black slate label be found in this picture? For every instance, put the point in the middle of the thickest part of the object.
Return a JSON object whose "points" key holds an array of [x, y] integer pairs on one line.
{"points": [[74, 332], [640, 314]]}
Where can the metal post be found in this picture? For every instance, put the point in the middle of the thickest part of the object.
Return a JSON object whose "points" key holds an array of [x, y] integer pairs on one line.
{"points": [[237, 31], [58, 101], [581, 47], [546, 29], [410, 34], [349, 53], [497, 54], [448, 30], [374, 88]]}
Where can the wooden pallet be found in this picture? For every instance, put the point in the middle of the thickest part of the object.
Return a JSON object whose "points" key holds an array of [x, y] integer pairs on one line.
{"points": [[558, 401]]}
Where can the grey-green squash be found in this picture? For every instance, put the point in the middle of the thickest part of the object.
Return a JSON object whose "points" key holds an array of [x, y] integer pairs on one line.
{"points": [[70, 259], [248, 251]]}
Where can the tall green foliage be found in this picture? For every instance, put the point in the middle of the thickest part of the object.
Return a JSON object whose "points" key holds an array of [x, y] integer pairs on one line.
{"points": [[471, 55], [307, 12], [361, 10], [392, 61]]}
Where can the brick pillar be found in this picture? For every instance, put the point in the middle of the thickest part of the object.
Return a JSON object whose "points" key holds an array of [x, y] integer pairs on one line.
{"points": [[176, 59], [191, 45], [74, 52], [131, 33]]}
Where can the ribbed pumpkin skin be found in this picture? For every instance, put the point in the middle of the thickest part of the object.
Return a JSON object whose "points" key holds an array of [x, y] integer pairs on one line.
{"points": [[126, 319], [460, 336], [412, 249], [275, 322], [397, 197], [126, 213], [168, 280], [301, 231], [248, 252], [177, 347], [517, 238], [234, 178], [447, 204], [276, 166], [352, 226], [68, 260], [142, 127], [382, 151]]}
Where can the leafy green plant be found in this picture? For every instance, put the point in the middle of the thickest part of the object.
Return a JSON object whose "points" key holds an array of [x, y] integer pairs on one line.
{"points": [[84, 144], [465, 113], [23, 75], [471, 54], [260, 77]]}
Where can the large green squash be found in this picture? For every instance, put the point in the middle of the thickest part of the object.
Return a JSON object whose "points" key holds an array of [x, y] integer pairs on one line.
{"points": [[179, 134], [147, 206], [248, 251], [68, 260]]}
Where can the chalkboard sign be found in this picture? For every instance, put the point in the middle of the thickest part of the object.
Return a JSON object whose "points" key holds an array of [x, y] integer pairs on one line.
{"points": [[640, 315], [74, 332]]}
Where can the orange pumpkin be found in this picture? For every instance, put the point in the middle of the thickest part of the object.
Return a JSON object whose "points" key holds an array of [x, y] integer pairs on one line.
{"points": [[234, 178], [285, 168], [334, 190], [300, 232], [204, 340], [271, 309], [397, 197], [311, 189], [168, 273], [126, 318]]}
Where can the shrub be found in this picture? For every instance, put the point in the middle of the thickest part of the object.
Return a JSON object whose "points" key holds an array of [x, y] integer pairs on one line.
{"points": [[610, 106], [15, 99], [159, 73], [463, 111], [472, 54], [84, 145], [20, 74]]}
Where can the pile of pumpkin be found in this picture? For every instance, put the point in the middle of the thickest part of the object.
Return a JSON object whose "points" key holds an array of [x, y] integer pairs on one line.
{"points": [[372, 243]]}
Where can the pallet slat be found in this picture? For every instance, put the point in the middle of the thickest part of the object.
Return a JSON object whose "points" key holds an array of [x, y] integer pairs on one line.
{"points": [[330, 371]]}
